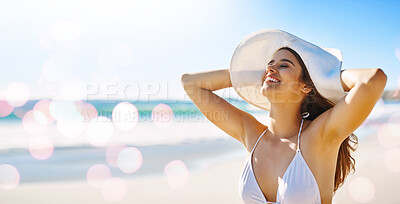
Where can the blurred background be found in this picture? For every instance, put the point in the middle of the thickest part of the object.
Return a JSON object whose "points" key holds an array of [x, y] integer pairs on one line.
{"points": [[92, 108]]}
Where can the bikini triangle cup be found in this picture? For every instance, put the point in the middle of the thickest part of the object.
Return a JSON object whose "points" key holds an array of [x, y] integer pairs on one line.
{"points": [[249, 199]]}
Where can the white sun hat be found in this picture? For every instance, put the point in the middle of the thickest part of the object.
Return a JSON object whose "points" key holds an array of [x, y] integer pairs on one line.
{"points": [[253, 53]]}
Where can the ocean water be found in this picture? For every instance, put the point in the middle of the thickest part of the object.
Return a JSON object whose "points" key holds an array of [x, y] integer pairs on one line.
{"points": [[188, 137], [184, 123], [181, 109]]}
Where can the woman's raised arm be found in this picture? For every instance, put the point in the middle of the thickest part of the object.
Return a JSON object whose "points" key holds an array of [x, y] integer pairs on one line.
{"points": [[199, 87], [365, 87]]}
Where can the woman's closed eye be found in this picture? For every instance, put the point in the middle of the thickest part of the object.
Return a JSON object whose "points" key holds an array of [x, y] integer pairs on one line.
{"points": [[282, 65]]}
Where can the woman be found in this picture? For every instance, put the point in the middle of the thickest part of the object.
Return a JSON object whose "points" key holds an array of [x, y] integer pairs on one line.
{"points": [[303, 153]]}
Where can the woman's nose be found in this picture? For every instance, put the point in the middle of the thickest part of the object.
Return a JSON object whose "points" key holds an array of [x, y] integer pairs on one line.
{"points": [[271, 68]]}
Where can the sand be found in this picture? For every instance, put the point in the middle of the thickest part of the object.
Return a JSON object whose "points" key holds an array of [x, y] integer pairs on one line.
{"points": [[215, 184]]}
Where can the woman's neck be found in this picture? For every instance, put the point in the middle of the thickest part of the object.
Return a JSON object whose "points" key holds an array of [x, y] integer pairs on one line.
{"points": [[284, 120]]}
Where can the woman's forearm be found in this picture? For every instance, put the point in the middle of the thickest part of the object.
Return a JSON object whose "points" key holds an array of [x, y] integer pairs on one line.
{"points": [[352, 77], [210, 80]]}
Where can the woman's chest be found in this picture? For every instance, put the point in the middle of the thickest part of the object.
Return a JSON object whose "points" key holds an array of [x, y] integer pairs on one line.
{"points": [[278, 170]]}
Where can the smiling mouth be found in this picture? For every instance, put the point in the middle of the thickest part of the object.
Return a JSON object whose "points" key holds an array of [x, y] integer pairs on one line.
{"points": [[271, 80]]}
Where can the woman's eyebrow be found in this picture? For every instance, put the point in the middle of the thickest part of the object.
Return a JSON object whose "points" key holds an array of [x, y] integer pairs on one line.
{"points": [[284, 59]]}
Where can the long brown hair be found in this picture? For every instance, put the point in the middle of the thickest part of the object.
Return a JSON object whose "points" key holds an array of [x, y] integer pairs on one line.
{"points": [[316, 104]]}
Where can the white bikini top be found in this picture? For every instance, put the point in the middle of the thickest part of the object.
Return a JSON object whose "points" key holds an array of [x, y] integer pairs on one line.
{"points": [[297, 186]]}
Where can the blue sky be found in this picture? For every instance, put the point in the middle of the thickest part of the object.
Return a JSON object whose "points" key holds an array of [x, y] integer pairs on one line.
{"points": [[147, 45]]}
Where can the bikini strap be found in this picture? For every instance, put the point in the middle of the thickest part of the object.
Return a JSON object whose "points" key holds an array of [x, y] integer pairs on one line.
{"points": [[259, 139], [303, 115]]}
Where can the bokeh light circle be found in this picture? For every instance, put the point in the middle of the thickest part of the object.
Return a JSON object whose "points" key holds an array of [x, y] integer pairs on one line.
{"points": [[361, 190], [99, 131], [97, 175], [87, 110], [5, 108], [125, 116], [34, 122], [17, 94], [112, 153], [392, 160], [44, 107], [177, 174], [129, 160], [9, 177], [388, 135], [162, 115], [114, 189], [41, 147], [64, 110]]}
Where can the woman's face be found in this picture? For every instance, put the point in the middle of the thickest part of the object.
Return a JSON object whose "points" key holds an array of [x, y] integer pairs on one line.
{"points": [[285, 68]]}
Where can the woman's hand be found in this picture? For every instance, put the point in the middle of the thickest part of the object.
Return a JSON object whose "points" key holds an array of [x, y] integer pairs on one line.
{"points": [[351, 77]]}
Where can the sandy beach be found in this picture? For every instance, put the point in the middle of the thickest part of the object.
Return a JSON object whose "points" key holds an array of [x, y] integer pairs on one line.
{"points": [[214, 163], [215, 184]]}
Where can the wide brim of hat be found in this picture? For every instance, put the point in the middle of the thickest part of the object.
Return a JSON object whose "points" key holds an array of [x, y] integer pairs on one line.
{"points": [[253, 53]]}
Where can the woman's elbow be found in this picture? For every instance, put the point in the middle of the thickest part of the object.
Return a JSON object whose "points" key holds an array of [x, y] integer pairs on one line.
{"points": [[185, 81], [381, 76], [379, 79]]}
